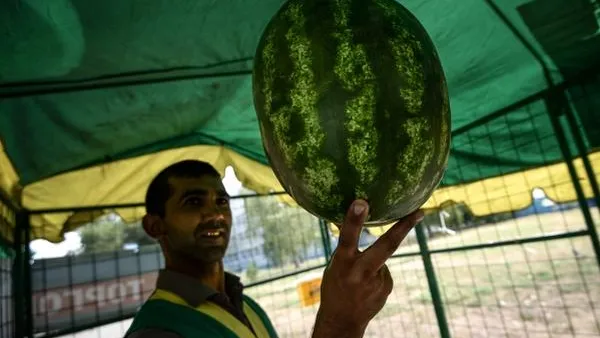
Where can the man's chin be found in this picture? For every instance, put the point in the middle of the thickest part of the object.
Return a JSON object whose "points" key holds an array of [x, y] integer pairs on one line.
{"points": [[210, 255]]}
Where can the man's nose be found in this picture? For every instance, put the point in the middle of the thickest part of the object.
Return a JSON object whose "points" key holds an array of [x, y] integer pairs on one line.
{"points": [[215, 216]]}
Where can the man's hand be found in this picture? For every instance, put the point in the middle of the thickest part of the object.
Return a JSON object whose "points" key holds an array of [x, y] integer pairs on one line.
{"points": [[356, 284]]}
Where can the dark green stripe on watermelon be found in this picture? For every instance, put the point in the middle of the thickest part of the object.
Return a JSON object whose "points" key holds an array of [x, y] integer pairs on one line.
{"points": [[352, 103]]}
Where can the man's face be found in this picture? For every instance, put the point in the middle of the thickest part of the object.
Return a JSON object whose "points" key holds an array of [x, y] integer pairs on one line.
{"points": [[198, 218]]}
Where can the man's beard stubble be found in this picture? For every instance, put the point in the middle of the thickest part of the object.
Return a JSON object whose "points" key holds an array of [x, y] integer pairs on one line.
{"points": [[191, 250]]}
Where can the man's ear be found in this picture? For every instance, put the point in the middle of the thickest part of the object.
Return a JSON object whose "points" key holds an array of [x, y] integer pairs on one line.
{"points": [[154, 226]]}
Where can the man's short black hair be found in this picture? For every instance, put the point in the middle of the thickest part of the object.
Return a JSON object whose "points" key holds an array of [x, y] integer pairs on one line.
{"points": [[159, 189]]}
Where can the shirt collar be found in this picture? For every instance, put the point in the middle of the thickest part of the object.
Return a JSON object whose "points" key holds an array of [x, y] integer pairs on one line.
{"points": [[193, 291]]}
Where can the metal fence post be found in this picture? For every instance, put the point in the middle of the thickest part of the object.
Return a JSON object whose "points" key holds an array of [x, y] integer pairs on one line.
{"points": [[22, 286], [555, 106], [581, 147], [25, 224], [326, 238], [17, 284], [434, 289]]}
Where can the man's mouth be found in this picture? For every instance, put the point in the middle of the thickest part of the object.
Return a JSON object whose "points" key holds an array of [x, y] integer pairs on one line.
{"points": [[211, 233]]}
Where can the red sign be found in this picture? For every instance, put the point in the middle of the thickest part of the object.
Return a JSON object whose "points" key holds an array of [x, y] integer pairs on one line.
{"points": [[93, 297]]}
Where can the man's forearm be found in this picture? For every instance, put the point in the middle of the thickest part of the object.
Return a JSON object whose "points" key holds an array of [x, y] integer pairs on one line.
{"points": [[327, 328], [328, 332]]}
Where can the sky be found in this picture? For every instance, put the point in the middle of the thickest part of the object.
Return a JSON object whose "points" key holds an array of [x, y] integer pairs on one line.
{"points": [[43, 249]]}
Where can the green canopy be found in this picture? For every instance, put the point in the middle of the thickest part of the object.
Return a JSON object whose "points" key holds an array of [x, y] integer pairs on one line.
{"points": [[85, 83]]}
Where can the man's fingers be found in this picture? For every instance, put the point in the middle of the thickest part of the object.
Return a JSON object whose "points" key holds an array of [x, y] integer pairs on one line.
{"points": [[388, 281], [376, 255], [350, 230]]}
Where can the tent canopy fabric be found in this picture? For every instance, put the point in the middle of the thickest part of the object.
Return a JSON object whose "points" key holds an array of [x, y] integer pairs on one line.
{"points": [[97, 96]]}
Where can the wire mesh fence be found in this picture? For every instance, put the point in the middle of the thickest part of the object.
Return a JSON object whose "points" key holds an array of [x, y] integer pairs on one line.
{"points": [[7, 222], [111, 267], [543, 288], [547, 285], [531, 270]]}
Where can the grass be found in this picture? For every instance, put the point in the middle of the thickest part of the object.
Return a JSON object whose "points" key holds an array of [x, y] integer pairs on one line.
{"points": [[543, 289]]}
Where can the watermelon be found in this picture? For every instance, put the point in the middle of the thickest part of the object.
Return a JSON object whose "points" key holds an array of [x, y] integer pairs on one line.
{"points": [[352, 103]]}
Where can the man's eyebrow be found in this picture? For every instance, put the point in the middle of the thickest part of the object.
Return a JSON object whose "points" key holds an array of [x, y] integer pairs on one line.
{"points": [[202, 192], [194, 192]]}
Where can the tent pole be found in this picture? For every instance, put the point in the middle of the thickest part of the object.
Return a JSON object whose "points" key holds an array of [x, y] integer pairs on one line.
{"points": [[555, 106], [326, 238], [22, 291], [523, 41], [591, 177], [18, 90], [17, 285], [583, 152], [27, 274], [434, 288]]}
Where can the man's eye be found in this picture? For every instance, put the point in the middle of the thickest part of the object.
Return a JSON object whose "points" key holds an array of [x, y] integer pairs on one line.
{"points": [[222, 201], [193, 201]]}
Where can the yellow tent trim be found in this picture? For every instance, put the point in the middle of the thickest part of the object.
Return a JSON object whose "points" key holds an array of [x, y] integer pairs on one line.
{"points": [[125, 181], [9, 180], [9, 185], [512, 192]]}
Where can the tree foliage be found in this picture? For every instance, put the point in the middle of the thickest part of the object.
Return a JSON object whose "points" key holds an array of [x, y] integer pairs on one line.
{"points": [[252, 271], [110, 234], [288, 232], [458, 213]]}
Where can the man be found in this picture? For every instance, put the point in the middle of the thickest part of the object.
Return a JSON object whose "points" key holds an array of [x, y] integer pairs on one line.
{"points": [[188, 213]]}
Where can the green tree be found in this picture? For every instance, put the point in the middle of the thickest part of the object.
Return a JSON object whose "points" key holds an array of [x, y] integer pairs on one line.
{"points": [[251, 271], [287, 231], [457, 213], [134, 233], [108, 234], [101, 236]]}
